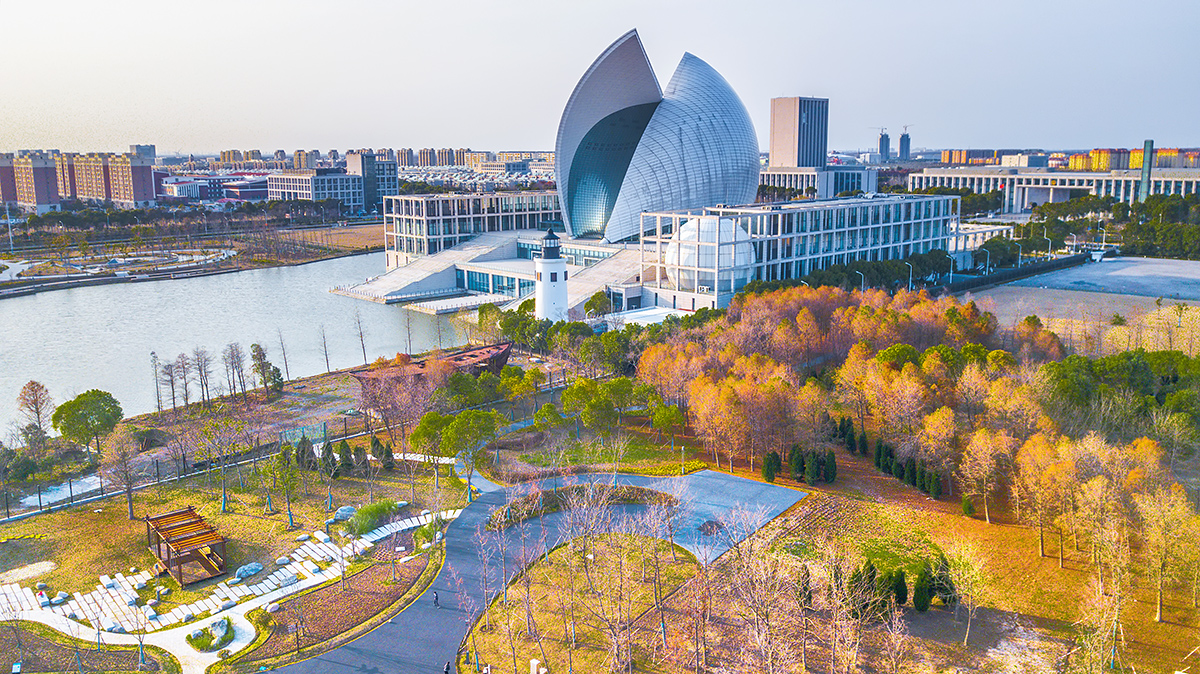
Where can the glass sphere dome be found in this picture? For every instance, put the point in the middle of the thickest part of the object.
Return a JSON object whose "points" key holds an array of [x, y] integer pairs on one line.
{"points": [[687, 249]]}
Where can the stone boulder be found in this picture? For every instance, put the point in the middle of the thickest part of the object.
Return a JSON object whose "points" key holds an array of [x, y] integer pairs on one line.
{"points": [[218, 629], [197, 633], [302, 537], [282, 560], [247, 570], [344, 513], [288, 579], [272, 608]]}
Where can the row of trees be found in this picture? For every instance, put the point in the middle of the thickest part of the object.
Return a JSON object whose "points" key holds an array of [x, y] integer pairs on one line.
{"points": [[890, 275]]}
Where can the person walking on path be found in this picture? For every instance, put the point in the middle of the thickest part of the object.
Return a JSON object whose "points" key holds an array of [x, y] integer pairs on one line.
{"points": [[446, 669], [435, 601]]}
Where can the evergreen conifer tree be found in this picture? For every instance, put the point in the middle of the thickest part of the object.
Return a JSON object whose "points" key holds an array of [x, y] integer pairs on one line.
{"points": [[922, 483], [910, 472], [804, 587], [811, 469], [830, 468], [345, 458], [863, 444], [900, 587], [796, 461], [923, 590]]}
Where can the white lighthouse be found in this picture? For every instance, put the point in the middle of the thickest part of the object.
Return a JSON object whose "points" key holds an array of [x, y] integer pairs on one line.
{"points": [[550, 288]]}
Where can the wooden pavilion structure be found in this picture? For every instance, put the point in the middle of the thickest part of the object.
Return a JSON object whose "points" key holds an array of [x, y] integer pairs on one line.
{"points": [[185, 543]]}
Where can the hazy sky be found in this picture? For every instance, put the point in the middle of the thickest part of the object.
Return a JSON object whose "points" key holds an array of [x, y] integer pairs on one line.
{"points": [[268, 74]]}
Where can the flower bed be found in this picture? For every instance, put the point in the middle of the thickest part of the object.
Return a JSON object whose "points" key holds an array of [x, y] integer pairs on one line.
{"points": [[329, 611]]}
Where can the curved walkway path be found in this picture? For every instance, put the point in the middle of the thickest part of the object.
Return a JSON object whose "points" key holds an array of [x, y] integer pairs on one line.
{"points": [[422, 638]]}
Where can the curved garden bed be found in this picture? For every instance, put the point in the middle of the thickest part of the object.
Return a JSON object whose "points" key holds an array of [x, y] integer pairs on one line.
{"points": [[547, 501]]}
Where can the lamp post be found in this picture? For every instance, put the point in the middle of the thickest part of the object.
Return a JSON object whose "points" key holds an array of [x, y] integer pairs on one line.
{"points": [[1020, 249], [987, 267], [951, 258], [864, 281], [1074, 243], [910, 273], [1049, 244], [1103, 236]]}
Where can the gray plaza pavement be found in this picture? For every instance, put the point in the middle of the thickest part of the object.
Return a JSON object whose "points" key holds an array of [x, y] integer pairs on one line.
{"points": [[1147, 277], [423, 638]]}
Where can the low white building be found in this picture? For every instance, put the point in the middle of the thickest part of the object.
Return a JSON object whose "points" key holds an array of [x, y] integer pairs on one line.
{"points": [[822, 183], [703, 257], [1026, 187]]}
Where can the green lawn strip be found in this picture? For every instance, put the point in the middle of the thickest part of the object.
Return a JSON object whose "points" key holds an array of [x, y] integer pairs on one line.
{"points": [[238, 662], [205, 643], [165, 659]]}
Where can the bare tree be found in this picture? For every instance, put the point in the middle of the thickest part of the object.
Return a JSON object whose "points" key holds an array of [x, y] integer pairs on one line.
{"points": [[325, 347], [762, 583], [167, 375], [967, 573], [202, 363], [283, 351], [1164, 513], [234, 359], [183, 372], [118, 463], [362, 334], [36, 406], [896, 639]]}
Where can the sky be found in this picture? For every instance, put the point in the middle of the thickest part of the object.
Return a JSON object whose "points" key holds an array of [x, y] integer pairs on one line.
{"points": [[495, 74]]}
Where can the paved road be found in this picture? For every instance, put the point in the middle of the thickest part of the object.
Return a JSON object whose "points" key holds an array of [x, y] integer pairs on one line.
{"points": [[423, 638]]}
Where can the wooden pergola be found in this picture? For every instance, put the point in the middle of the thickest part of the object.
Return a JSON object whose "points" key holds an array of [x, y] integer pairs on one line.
{"points": [[183, 538]]}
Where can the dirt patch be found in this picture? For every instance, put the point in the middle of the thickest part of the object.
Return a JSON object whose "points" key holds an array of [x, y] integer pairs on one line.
{"points": [[331, 611], [26, 572]]}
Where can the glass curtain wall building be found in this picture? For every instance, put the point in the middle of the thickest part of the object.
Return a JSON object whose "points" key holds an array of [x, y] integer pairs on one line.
{"points": [[703, 257], [624, 146]]}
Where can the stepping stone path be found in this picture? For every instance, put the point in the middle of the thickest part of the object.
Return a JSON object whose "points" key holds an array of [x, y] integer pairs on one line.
{"points": [[114, 605]]}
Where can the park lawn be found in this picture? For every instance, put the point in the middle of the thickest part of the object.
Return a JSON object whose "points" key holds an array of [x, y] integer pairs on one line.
{"points": [[86, 544], [643, 447], [591, 654]]}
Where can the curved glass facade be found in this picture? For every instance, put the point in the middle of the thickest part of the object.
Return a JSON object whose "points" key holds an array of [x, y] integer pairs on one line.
{"points": [[697, 148], [599, 167]]}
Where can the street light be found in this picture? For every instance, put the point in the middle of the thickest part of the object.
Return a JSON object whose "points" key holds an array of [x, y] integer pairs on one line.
{"points": [[910, 272], [864, 281], [987, 268], [1074, 243], [1103, 236], [1049, 244], [951, 258], [1020, 250]]}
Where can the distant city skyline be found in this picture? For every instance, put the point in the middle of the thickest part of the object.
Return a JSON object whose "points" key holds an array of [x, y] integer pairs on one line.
{"points": [[286, 75]]}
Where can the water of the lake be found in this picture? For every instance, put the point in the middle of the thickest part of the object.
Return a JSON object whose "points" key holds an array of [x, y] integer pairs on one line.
{"points": [[101, 337]]}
